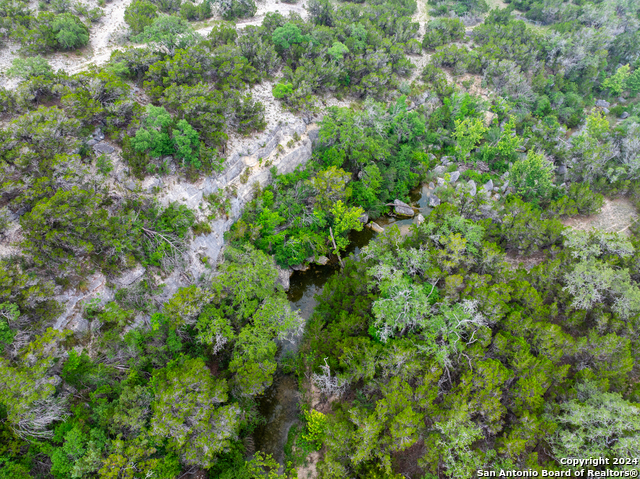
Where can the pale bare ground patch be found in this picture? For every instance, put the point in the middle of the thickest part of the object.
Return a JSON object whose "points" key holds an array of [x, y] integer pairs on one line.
{"points": [[421, 16], [104, 37], [515, 260], [616, 216], [310, 469], [474, 83], [499, 4], [101, 44]]}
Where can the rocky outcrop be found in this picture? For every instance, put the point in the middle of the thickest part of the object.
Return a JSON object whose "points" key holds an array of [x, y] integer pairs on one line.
{"points": [[73, 301], [284, 277], [264, 149], [375, 227], [402, 208], [204, 250]]}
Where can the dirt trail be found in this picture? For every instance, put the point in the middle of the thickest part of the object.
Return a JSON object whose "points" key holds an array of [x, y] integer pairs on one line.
{"points": [[616, 216], [103, 35]]}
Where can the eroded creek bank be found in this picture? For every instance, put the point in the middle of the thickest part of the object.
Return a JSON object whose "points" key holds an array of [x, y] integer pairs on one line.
{"points": [[280, 403]]}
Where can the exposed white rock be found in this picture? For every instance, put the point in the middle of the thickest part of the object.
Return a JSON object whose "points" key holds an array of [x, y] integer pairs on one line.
{"points": [[403, 209], [376, 227]]}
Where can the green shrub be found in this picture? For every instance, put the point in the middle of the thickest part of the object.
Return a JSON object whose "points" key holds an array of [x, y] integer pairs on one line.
{"points": [[140, 14], [442, 31], [532, 177], [232, 9], [282, 90], [70, 32], [26, 68], [223, 33]]}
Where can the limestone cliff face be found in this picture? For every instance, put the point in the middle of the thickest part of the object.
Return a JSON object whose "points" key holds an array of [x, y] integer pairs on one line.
{"points": [[257, 159], [286, 146]]}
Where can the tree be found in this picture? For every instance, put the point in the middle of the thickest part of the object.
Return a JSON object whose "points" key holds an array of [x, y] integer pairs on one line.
{"points": [[321, 12], [154, 136], [617, 82], [593, 148], [467, 134], [187, 144], [337, 51], [633, 82], [254, 353], [593, 282], [345, 219], [70, 32], [509, 141], [26, 68], [253, 361], [27, 390], [71, 225], [532, 177], [454, 445], [231, 9], [287, 35], [168, 32], [330, 187], [188, 410], [139, 15], [596, 424]]}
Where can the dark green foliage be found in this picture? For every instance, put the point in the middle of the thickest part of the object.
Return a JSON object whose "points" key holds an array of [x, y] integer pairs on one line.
{"points": [[441, 357], [29, 67], [386, 167], [223, 34], [49, 32], [232, 9], [442, 31], [140, 14]]}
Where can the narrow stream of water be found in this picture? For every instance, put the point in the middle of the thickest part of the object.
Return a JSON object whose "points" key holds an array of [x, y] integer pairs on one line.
{"points": [[279, 404]]}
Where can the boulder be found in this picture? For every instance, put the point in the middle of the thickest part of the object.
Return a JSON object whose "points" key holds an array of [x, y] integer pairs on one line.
{"points": [[322, 260], [130, 276], [439, 170], [562, 170], [606, 111], [284, 277], [104, 148], [431, 185], [488, 186], [505, 186], [624, 115], [91, 142], [300, 267], [454, 176], [403, 209], [313, 134], [472, 188], [434, 201], [602, 103], [375, 227], [152, 183], [364, 218], [419, 219], [441, 181], [130, 185]]}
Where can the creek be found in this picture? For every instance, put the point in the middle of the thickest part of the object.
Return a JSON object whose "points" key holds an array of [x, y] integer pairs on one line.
{"points": [[280, 402]]}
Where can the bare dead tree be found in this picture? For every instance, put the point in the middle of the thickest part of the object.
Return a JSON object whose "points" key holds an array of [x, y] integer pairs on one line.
{"points": [[328, 384]]}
